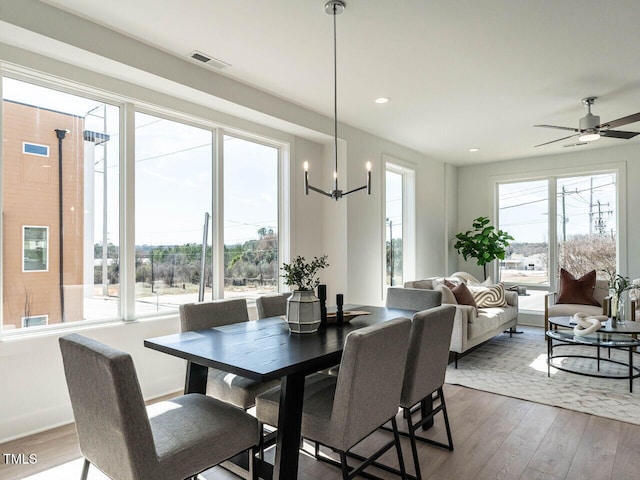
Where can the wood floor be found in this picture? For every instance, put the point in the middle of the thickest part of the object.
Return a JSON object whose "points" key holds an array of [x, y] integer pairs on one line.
{"points": [[495, 437]]}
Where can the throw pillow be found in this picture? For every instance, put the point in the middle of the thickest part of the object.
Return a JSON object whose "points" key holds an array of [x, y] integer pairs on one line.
{"points": [[577, 291], [447, 295], [489, 296], [463, 295]]}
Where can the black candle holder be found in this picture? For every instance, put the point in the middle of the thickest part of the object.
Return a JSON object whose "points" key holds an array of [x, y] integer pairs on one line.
{"points": [[339, 312], [322, 295]]}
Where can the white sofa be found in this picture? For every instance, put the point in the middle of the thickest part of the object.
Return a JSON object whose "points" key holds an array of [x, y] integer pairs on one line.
{"points": [[471, 328]]}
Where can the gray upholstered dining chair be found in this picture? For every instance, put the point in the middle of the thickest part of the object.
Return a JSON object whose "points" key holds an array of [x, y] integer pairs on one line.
{"points": [[427, 361], [272, 305], [231, 388], [415, 299], [169, 440], [341, 411]]}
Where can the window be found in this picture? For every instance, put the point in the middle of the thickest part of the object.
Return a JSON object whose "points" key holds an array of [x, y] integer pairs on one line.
{"points": [[35, 249], [45, 270], [61, 193], [394, 219], [399, 224], [251, 260], [568, 222], [37, 321], [586, 223], [174, 190], [524, 214], [35, 149]]}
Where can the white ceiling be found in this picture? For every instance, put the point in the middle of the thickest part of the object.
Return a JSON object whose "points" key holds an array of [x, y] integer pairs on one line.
{"points": [[460, 74]]}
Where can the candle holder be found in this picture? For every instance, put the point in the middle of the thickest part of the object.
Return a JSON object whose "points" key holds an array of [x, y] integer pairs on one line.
{"points": [[322, 295]]}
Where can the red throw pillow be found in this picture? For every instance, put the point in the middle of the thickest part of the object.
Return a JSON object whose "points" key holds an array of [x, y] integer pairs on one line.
{"points": [[463, 295], [578, 291]]}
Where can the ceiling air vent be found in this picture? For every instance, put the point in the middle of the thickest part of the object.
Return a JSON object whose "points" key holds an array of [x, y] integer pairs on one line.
{"points": [[208, 60]]}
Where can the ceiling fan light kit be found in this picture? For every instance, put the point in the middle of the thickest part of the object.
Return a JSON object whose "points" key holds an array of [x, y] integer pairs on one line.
{"points": [[591, 129], [335, 7]]}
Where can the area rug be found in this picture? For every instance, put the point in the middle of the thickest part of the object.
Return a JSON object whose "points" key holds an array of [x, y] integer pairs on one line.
{"points": [[516, 367]]}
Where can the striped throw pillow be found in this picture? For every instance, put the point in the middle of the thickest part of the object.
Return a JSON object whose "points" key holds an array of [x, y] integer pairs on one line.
{"points": [[489, 296]]}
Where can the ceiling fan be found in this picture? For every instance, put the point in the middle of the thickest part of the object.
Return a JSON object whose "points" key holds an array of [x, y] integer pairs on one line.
{"points": [[591, 129]]}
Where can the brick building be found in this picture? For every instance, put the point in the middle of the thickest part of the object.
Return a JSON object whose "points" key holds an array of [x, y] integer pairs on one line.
{"points": [[32, 215]]}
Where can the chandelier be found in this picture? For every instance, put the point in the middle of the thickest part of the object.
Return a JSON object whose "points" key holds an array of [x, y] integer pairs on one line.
{"points": [[335, 7]]}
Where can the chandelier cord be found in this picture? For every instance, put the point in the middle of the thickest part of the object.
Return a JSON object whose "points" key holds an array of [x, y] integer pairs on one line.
{"points": [[335, 96]]}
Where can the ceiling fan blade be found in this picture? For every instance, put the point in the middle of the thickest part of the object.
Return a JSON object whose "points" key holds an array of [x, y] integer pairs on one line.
{"points": [[618, 134], [621, 121], [576, 144], [554, 141], [559, 128]]}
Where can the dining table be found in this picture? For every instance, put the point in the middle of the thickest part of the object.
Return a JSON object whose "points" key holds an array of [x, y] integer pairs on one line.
{"points": [[264, 350]]}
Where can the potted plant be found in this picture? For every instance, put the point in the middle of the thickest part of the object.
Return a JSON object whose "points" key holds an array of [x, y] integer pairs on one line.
{"points": [[618, 284], [484, 243], [303, 307]]}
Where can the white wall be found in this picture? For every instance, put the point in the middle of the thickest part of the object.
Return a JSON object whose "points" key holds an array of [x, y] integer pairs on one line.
{"points": [[40, 38], [476, 190]]}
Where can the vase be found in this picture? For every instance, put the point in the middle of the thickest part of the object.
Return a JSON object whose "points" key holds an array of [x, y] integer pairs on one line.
{"points": [[621, 318], [303, 312]]}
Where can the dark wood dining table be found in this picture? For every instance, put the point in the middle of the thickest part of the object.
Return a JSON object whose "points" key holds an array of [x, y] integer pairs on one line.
{"points": [[264, 350]]}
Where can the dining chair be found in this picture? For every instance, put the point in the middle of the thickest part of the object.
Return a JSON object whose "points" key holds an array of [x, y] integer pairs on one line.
{"points": [[169, 440], [415, 299], [340, 411], [272, 305], [235, 389], [427, 360]]}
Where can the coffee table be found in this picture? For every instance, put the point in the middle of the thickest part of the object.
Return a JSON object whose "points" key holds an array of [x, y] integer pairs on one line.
{"points": [[620, 337]]}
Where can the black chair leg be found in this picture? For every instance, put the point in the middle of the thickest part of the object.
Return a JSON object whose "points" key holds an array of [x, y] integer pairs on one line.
{"points": [[253, 471], [85, 470], [414, 448], [396, 437], [446, 418], [344, 466]]}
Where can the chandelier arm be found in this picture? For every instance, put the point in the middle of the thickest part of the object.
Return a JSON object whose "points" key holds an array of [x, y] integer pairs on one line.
{"points": [[318, 190], [356, 190]]}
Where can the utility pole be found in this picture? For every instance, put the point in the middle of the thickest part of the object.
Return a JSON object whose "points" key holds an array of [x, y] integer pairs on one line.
{"points": [[591, 208]]}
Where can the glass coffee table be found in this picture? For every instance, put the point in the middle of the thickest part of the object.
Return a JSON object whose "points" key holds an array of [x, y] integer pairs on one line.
{"points": [[621, 337]]}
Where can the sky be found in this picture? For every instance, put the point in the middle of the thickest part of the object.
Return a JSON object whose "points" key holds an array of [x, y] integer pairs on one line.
{"points": [[524, 207], [174, 165]]}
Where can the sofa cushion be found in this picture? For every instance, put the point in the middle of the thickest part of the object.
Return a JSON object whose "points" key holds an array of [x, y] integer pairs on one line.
{"points": [[488, 296], [464, 296], [423, 284], [447, 294], [577, 291], [489, 319]]}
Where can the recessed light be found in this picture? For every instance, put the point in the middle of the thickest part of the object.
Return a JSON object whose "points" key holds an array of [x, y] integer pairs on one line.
{"points": [[382, 100], [474, 149]]}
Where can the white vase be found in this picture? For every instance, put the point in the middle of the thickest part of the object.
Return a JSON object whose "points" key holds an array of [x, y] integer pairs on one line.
{"points": [[303, 312]]}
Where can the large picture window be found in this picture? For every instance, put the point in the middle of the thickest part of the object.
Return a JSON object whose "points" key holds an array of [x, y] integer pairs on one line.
{"points": [[559, 222], [63, 181]]}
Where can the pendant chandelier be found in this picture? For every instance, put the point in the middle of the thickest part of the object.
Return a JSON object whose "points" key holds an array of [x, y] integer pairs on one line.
{"points": [[335, 7]]}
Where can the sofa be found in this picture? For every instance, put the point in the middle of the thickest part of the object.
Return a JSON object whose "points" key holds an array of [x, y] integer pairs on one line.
{"points": [[471, 327]]}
